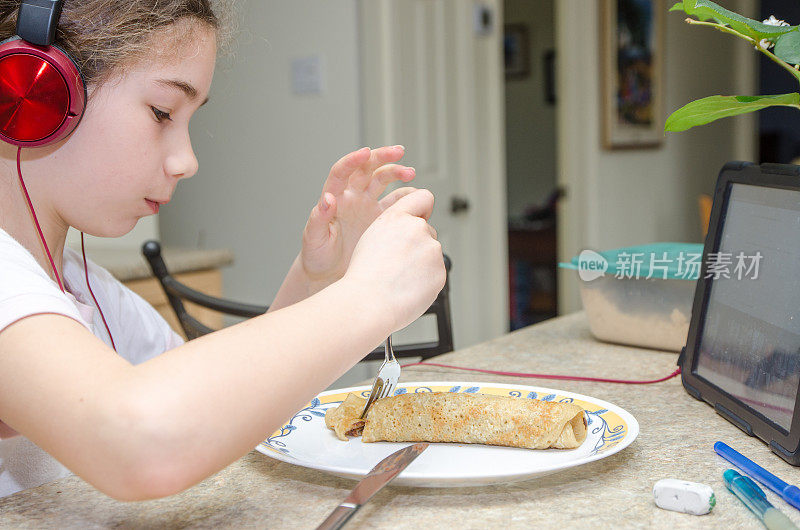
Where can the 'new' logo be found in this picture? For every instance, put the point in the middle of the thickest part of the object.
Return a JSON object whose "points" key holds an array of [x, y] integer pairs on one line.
{"points": [[591, 265]]}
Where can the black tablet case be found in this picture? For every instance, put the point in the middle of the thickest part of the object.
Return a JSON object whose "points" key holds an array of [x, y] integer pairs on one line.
{"points": [[783, 443]]}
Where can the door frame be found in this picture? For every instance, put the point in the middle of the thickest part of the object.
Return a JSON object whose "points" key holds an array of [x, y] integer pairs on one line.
{"points": [[480, 275]]}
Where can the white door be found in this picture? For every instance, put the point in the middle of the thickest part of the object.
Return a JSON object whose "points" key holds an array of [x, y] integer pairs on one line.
{"points": [[432, 81]]}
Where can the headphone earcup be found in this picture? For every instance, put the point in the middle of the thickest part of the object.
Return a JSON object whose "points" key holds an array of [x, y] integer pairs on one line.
{"points": [[42, 94]]}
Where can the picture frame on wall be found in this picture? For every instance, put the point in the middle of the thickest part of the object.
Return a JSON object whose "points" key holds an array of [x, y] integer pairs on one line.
{"points": [[632, 62], [516, 51]]}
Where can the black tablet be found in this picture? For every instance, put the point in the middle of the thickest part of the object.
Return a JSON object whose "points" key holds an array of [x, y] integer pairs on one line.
{"points": [[742, 354]]}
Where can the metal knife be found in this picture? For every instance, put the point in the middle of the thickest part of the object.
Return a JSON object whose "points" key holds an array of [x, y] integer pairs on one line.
{"points": [[377, 478]]}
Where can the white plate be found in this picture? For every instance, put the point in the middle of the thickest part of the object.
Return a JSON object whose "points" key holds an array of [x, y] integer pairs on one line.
{"points": [[305, 441]]}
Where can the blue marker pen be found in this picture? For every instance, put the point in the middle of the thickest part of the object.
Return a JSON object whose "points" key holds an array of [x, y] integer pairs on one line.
{"points": [[789, 493], [753, 497]]}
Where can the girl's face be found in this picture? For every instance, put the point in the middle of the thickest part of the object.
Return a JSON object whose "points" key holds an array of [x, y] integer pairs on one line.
{"points": [[132, 145]]}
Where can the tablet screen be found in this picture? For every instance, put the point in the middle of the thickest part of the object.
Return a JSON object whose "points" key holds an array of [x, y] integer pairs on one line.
{"points": [[750, 344]]}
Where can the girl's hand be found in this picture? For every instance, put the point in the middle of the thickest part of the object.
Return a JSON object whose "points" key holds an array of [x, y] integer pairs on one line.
{"points": [[398, 262], [348, 205]]}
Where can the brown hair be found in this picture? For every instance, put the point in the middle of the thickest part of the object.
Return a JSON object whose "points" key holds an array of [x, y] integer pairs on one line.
{"points": [[102, 35]]}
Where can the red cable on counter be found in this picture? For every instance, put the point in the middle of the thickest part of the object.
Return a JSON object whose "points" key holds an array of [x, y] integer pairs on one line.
{"points": [[546, 376]]}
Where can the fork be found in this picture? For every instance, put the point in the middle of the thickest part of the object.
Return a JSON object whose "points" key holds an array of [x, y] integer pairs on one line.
{"points": [[386, 380]]}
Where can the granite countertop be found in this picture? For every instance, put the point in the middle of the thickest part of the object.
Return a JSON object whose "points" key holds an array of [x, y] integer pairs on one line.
{"points": [[676, 439], [127, 264]]}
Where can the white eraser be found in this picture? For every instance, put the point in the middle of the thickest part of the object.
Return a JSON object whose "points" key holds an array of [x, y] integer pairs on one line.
{"points": [[682, 496]]}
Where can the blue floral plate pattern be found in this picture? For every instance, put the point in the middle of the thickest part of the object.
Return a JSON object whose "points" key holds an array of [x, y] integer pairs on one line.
{"points": [[304, 440]]}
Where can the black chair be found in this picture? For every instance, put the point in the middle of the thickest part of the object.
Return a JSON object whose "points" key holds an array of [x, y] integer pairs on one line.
{"points": [[177, 293]]}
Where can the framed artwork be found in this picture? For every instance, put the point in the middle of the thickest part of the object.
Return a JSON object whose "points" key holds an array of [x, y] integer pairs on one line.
{"points": [[632, 63], [516, 51]]}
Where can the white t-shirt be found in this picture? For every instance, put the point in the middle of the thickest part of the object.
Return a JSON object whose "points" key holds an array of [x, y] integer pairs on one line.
{"points": [[140, 333]]}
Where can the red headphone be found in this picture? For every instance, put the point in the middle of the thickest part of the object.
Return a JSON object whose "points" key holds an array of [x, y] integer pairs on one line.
{"points": [[42, 97], [42, 91]]}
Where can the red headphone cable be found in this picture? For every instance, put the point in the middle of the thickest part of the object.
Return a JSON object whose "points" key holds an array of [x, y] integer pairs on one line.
{"points": [[546, 376], [35, 220], [50, 257], [96, 303]]}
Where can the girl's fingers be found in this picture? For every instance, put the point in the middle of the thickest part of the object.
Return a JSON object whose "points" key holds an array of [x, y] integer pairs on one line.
{"points": [[318, 226], [395, 196], [385, 175], [341, 171], [330, 200], [362, 177], [432, 230], [418, 203]]}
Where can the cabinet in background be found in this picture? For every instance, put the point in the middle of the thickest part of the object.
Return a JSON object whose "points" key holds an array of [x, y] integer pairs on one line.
{"points": [[200, 269], [532, 266], [206, 281]]}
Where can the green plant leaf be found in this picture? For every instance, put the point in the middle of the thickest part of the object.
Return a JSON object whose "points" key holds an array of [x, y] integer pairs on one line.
{"points": [[708, 10], [787, 47], [713, 108]]}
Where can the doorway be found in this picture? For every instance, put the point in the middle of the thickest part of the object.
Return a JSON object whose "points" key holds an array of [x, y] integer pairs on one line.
{"points": [[779, 127], [431, 79], [531, 186]]}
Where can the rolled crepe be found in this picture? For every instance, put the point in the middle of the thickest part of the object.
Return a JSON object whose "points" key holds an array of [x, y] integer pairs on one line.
{"points": [[345, 420], [470, 418]]}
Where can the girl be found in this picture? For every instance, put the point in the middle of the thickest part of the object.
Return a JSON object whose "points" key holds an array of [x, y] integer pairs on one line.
{"points": [[158, 415]]}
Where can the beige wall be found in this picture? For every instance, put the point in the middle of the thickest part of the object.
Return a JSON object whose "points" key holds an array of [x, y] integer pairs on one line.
{"points": [[627, 197], [530, 120], [265, 152]]}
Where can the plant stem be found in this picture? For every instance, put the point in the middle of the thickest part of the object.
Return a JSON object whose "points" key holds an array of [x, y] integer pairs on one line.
{"points": [[725, 29]]}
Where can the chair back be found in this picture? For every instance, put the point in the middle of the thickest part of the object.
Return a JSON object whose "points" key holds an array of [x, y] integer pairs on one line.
{"points": [[444, 328], [178, 292]]}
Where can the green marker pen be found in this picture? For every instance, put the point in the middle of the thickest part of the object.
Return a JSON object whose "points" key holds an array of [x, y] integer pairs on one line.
{"points": [[753, 497]]}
